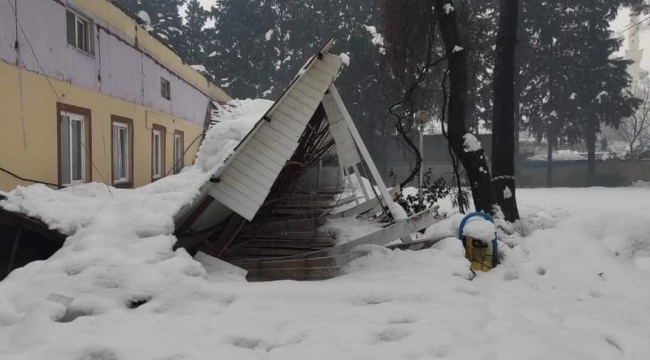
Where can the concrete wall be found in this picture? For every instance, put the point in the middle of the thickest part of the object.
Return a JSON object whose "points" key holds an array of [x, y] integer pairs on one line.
{"points": [[121, 76]]}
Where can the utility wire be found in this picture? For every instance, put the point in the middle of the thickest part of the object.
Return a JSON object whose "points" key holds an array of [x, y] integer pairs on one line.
{"points": [[22, 30], [634, 25]]}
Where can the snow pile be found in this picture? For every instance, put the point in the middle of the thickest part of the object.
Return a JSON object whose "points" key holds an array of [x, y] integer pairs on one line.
{"points": [[200, 68], [560, 155], [471, 143], [119, 252], [448, 8], [345, 58], [480, 229], [234, 121], [269, 35]]}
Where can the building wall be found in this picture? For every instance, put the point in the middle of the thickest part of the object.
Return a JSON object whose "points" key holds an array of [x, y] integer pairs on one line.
{"points": [[121, 77], [28, 140]]}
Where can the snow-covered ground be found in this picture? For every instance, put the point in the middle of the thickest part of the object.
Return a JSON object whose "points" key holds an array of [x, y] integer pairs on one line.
{"points": [[575, 289]]}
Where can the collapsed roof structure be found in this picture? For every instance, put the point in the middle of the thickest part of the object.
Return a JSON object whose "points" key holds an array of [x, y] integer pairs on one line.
{"points": [[253, 213], [253, 207]]}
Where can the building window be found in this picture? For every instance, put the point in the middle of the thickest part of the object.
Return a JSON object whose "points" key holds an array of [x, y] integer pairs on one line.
{"points": [[158, 152], [79, 31], [179, 162], [122, 151], [165, 89], [74, 145]]}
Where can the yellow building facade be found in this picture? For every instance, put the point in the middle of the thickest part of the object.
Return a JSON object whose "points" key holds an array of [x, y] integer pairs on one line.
{"points": [[109, 103]]}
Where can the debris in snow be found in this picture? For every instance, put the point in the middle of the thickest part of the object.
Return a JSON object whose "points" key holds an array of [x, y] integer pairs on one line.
{"points": [[345, 58], [269, 34], [144, 16], [212, 54], [507, 193], [233, 122], [480, 229], [377, 38], [457, 49], [398, 211], [448, 8], [471, 143], [200, 68]]}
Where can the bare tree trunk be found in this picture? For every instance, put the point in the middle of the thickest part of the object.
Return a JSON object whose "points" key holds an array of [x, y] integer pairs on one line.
{"points": [[549, 157], [461, 142], [591, 152], [503, 114]]}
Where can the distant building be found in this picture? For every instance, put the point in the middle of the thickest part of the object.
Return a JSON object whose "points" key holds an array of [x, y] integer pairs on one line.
{"points": [[635, 53], [88, 94]]}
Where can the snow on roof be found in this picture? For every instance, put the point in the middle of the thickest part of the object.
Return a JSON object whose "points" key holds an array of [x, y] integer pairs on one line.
{"points": [[231, 123]]}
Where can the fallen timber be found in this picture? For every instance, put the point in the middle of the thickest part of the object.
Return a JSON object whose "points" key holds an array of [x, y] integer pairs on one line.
{"points": [[259, 216]]}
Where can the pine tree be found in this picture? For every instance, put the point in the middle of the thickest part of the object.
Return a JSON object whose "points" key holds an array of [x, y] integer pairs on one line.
{"points": [[193, 47], [166, 23]]}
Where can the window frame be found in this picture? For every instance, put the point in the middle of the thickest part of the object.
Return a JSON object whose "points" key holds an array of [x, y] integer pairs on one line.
{"points": [[179, 162], [165, 89], [86, 154], [163, 145], [120, 121], [89, 24]]}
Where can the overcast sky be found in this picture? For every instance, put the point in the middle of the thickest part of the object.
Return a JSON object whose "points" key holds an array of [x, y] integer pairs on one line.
{"points": [[621, 22]]}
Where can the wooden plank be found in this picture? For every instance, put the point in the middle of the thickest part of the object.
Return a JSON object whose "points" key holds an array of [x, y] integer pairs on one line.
{"points": [[315, 83], [240, 207], [322, 75], [250, 183], [294, 274], [305, 100], [282, 149], [299, 107], [254, 170], [238, 194], [285, 140], [264, 155], [297, 116], [279, 125], [333, 61], [309, 91], [242, 188], [288, 121], [359, 209]]}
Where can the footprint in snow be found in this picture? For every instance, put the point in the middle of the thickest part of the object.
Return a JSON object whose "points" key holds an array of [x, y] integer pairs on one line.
{"points": [[404, 320], [390, 335]]}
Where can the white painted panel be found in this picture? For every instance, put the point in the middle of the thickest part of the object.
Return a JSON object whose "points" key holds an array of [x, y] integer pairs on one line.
{"points": [[245, 164], [314, 82], [320, 75], [288, 121], [305, 100], [332, 61], [277, 146], [231, 202], [250, 183], [237, 194], [286, 141], [345, 146], [243, 184], [302, 119], [280, 127], [301, 108], [264, 156], [314, 94]]}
